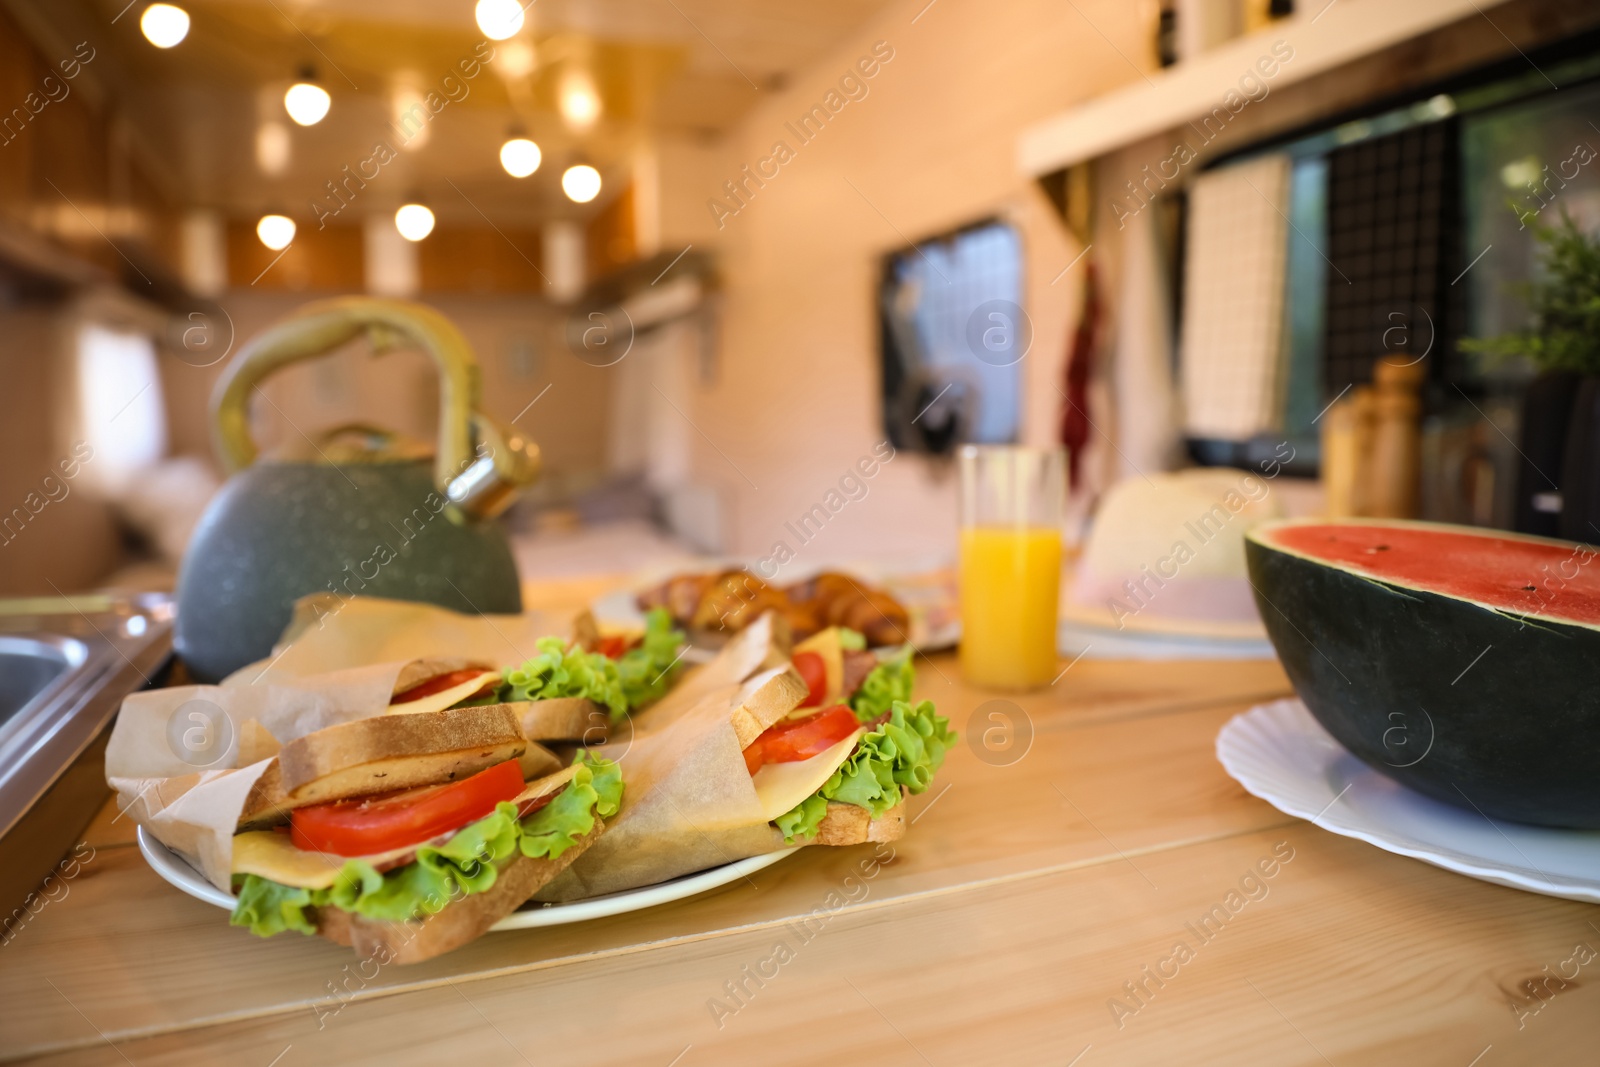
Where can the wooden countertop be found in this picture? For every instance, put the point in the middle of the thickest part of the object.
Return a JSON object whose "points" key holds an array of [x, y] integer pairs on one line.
{"points": [[1004, 928]]}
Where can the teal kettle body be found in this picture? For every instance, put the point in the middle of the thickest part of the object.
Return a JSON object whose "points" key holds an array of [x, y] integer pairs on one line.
{"points": [[358, 516]]}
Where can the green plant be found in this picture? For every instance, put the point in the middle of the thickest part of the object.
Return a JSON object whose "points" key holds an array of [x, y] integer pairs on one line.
{"points": [[1565, 302]]}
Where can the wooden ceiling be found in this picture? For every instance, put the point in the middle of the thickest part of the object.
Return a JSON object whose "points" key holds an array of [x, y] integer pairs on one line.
{"points": [[662, 68]]}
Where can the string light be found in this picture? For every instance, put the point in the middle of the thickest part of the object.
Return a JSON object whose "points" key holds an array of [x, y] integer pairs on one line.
{"points": [[581, 183], [414, 222], [307, 102], [164, 25], [499, 19], [520, 157], [580, 100], [275, 231]]}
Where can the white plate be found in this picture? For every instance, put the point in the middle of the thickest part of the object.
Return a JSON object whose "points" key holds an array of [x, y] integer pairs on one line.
{"points": [[173, 868], [1282, 754]]}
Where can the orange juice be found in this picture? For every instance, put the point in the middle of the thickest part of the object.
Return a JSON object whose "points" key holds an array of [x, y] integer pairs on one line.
{"points": [[1010, 583]]}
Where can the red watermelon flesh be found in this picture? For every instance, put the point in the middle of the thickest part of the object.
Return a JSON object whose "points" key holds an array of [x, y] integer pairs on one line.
{"points": [[1502, 571]]}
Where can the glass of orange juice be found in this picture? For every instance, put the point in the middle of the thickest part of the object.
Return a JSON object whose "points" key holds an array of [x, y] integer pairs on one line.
{"points": [[1011, 504]]}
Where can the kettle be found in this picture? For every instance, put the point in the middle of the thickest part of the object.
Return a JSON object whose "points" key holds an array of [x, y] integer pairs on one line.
{"points": [[364, 518]]}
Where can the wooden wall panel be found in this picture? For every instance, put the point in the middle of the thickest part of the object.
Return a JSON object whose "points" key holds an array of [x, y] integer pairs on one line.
{"points": [[68, 175], [326, 259], [481, 259], [612, 235]]}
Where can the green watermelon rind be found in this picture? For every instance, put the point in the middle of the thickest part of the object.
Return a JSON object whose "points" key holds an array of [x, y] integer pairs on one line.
{"points": [[1512, 704]]}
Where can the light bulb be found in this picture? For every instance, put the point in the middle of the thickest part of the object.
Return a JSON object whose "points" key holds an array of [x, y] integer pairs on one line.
{"points": [[520, 157], [580, 102], [275, 231], [306, 103], [499, 19], [414, 222], [164, 25], [516, 59], [581, 183]]}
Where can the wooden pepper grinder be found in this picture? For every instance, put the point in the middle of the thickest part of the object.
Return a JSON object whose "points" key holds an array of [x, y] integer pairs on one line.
{"points": [[1372, 446], [1346, 443], [1395, 459]]}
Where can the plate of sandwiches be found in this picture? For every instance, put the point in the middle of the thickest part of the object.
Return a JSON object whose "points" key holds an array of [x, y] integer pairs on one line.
{"points": [[713, 605], [175, 870], [482, 799]]}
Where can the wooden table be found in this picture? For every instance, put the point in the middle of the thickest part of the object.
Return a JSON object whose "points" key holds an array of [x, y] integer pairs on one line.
{"points": [[1028, 918]]}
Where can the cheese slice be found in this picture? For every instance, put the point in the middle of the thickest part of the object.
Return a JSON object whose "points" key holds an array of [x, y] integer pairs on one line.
{"points": [[781, 786], [272, 855], [826, 644], [440, 701]]}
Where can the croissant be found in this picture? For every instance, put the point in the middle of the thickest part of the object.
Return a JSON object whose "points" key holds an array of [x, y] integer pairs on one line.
{"points": [[728, 601], [834, 599], [718, 602]]}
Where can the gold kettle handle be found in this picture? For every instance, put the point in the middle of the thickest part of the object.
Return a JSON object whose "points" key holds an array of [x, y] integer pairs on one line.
{"points": [[322, 326]]}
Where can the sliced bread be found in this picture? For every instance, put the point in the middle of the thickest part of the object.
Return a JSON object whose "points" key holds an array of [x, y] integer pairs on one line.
{"points": [[380, 754], [846, 824], [764, 699]]}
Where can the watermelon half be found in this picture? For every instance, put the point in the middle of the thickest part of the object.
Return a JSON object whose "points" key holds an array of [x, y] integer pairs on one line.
{"points": [[1464, 663]]}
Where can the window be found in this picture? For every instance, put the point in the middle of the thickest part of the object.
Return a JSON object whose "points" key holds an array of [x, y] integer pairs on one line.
{"points": [[120, 409], [953, 334]]}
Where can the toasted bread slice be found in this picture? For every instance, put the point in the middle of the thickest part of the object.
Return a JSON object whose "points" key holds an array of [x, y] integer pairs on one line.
{"points": [[380, 754], [585, 631], [575, 719], [539, 761], [846, 824], [764, 699], [420, 670], [461, 920]]}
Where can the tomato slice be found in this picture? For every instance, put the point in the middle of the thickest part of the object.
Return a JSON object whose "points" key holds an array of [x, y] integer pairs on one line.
{"points": [[797, 739], [612, 646], [815, 674], [378, 824], [437, 684]]}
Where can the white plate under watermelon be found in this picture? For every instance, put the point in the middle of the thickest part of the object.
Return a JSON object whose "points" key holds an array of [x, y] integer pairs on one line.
{"points": [[1282, 754]]}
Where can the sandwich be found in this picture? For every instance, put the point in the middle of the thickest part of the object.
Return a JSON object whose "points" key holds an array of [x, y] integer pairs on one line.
{"points": [[569, 692], [717, 604], [407, 835], [732, 757], [837, 768]]}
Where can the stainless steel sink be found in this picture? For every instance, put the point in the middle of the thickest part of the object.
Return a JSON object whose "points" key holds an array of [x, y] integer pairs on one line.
{"points": [[29, 665], [65, 665]]}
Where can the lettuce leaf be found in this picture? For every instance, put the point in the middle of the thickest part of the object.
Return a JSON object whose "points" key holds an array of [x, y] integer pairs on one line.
{"points": [[268, 908], [803, 819], [888, 682], [562, 671], [905, 750], [463, 865], [468, 863], [648, 671], [852, 640], [595, 790]]}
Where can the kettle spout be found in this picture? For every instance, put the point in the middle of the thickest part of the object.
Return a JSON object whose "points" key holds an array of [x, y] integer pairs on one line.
{"points": [[506, 461]]}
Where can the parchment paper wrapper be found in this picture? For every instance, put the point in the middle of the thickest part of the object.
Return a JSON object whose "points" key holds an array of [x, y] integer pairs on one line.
{"points": [[689, 803], [329, 634], [173, 753]]}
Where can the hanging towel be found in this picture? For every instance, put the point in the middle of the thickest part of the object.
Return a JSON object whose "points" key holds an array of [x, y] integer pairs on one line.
{"points": [[1233, 303]]}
